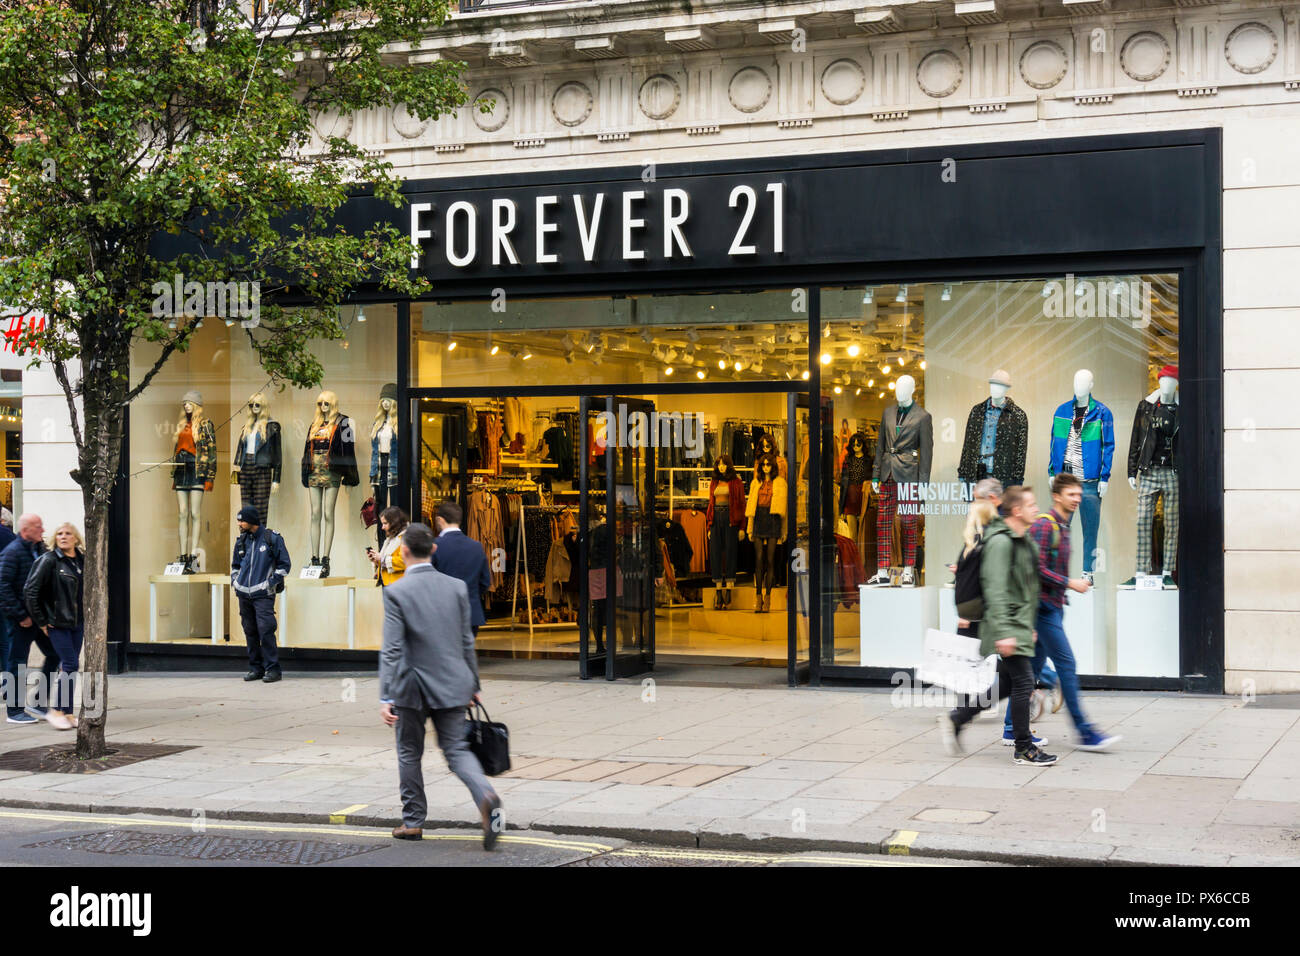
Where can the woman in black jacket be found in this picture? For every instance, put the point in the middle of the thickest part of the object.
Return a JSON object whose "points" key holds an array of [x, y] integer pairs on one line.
{"points": [[54, 596]]}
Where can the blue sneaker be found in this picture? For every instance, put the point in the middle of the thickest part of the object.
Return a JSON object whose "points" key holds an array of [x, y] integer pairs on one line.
{"points": [[22, 718], [38, 711], [1093, 740], [1009, 739]]}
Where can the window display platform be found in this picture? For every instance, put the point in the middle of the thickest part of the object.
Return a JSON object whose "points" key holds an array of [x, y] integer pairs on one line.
{"points": [[894, 622], [1147, 633], [1080, 628]]}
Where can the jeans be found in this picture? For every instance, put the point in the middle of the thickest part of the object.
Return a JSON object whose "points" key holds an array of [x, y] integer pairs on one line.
{"points": [[1090, 515], [1016, 679], [257, 615], [20, 648], [1053, 643], [449, 723], [67, 645], [723, 545]]}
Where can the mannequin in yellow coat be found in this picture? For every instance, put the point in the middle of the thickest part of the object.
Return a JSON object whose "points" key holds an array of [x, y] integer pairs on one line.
{"points": [[766, 507]]}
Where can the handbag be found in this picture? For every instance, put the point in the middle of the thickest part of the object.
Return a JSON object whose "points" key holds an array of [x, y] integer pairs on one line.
{"points": [[489, 741], [368, 515]]}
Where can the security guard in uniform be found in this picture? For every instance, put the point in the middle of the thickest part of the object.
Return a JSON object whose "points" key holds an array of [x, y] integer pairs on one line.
{"points": [[258, 569]]}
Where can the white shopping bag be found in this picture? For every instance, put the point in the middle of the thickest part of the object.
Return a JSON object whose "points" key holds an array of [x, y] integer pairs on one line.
{"points": [[954, 662]]}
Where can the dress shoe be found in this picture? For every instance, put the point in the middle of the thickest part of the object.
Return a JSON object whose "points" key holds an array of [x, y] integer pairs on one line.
{"points": [[271, 676], [325, 567], [254, 674], [491, 827], [403, 832]]}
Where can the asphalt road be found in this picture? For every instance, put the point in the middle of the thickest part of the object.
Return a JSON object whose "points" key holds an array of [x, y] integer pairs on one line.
{"points": [[56, 838]]}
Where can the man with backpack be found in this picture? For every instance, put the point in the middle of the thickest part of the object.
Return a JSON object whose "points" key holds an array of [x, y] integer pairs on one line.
{"points": [[1051, 532], [258, 568], [1009, 586]]}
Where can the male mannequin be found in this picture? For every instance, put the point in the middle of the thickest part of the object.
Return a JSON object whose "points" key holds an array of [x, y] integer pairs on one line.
{"points": [[1153, 471], [1083, 444], [997, 437], [904, 450]]}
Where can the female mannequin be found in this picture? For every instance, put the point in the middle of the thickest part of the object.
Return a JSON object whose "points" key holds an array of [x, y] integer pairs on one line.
{"points": [[767, 446], [195, 455], [842, 443], [258, 458], [725, 520], [854, 477], [329, 459], [766, 510], [383, 450]]}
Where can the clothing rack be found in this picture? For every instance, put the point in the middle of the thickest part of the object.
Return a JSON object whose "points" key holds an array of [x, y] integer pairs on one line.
{"points": [[521, 561]]}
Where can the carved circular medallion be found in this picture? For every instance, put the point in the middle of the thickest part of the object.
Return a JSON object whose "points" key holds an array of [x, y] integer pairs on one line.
{"points": [[1043, 64], [749, 89], [1251, 48], [939, 73], [496, 117], [659, 96], [571, 103], [408, 125], [843, 82], [1144, 56]]}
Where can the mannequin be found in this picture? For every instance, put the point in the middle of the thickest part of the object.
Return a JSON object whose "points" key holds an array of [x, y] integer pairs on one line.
{"points": [[1153, 472], [853, 481], [904, 450], [329, 459], [842, 442], [766, 510], [258, 458], [195, 455], [1083, 444], [725, 520], [997, 437], [383, 452], [767, 446]]}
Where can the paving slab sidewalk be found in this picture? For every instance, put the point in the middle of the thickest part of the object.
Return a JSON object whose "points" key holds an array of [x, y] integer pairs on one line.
{"points": [[1195, 781]]}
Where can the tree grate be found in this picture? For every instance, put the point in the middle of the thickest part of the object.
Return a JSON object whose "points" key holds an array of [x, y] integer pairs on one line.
{"points": [[202, 846]]}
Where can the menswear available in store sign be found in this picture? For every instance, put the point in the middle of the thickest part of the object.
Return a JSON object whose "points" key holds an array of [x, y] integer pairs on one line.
{"points": [[604, 225]]}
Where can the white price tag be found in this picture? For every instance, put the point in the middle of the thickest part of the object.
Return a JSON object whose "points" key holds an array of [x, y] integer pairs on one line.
{"points": [[176, 568], [311, 572], [1149, 582]]}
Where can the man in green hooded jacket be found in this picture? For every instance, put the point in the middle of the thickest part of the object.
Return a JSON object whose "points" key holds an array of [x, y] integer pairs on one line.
{"points": [[1009, 581]]}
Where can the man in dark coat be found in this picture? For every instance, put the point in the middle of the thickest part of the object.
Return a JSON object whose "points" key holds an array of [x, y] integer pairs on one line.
{"points": [[459, 555], [15, 564]]}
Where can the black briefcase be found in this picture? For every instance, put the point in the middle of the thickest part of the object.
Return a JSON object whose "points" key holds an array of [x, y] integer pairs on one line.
{"points": [[490, 742]]}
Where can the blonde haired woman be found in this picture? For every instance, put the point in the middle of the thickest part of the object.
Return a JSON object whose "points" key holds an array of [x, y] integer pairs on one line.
{"points": [[195, 458], [329, 459], [258, 458], [383, 450], [54, 597]]}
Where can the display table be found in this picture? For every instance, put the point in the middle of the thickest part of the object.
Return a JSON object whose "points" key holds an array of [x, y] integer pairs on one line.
{"points": [[893, 624], [314, 583], [214, 582], [1146, 633]]}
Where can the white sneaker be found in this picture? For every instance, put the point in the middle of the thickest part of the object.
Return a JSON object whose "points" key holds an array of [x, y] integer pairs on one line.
{"points": [[58, 721], [880, 580], [909, 578], [1035, 705]]}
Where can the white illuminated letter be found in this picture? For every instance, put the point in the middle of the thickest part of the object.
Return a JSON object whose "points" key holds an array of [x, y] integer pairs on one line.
{"points": [[471, 233], [503, 223], [681, 200], [588, 231], [778, 216], [738, 245], [416, 232], [629, 224], [543, 227]]}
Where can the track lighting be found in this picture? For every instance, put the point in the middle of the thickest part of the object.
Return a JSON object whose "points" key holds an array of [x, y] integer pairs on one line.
{"points": [[947, 293], [647, 336], [826, 358], [699, 373], [902, 294], [806, 375], [451, 344], [868, 296], [884, 370], [871, 382], [854, 350], [722, 364], [922, 365], [361, 314], [668, 370], [692, 336], [892, 385], [670, 355], [567, 343], [838, 390]]}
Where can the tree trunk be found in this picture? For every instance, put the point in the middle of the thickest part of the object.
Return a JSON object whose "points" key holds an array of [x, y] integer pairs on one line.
{"points": [[93, 722]]}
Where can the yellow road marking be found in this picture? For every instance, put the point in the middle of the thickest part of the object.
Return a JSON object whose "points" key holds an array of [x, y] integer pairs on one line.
{"points": [[900, 843], [341, 816], [722, 856], [324, 830]]}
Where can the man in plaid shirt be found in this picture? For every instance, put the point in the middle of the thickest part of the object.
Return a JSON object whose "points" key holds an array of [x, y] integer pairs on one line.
{"points": [[1051, 532]]}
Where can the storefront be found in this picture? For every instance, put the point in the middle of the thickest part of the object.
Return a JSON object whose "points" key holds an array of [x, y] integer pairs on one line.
{"points": [[598, 340]]}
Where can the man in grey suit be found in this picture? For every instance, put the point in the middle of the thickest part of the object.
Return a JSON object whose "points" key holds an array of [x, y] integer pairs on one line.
{"points": [[427, 668]]}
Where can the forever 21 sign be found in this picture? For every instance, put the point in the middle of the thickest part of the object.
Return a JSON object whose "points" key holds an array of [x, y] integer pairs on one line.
{"points": [[704, 222]]}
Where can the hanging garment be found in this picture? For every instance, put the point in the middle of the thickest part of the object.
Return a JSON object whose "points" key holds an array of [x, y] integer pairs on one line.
{"points": [[483, 524], [849, 569], [695, 524], [558, 570]]}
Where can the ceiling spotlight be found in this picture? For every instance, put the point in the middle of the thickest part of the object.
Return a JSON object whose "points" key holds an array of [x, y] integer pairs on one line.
{"points": [[884, 370], [590, 342], [739, 366], [527, 355], [229, 322], [692, 336], [657, 353], [567, 343], [757, 366], [902, 360], [881, 395], [854, 350], [568, 357], [902, 294], [647, 336], [699, 373], [868, 296], [722, 363], [596, 357], [858, 392], [361, 314], [870, 382], [838, 390], [892, 384], [947, 293], [668, 370], [826, 332], [671, 355], [922, 365], [796, 336], [451, 344], [494, 350], [806, 374], [689, 357], [826, 358]]}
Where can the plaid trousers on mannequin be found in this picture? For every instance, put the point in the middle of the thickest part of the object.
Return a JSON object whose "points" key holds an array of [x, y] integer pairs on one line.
{"points": [[1160, 480], [887, 507], [255, 490]]}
